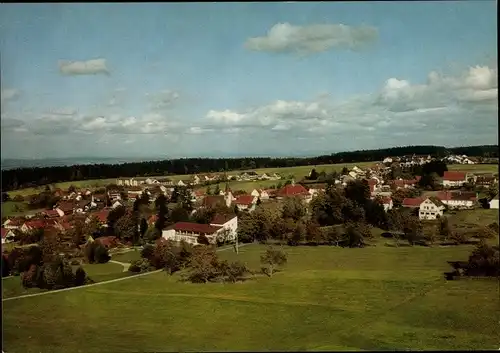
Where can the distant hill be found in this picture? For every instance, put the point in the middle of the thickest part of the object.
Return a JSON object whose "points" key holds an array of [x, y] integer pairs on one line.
{"points": [[115, 168]]}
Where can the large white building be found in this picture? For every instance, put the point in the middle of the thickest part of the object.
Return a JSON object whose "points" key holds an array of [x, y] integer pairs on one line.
{"points": [[221, 225], [430, 209], [494, 203]]}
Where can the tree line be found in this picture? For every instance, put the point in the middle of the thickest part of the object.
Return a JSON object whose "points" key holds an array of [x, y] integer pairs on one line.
{"points": [[26, 177]]}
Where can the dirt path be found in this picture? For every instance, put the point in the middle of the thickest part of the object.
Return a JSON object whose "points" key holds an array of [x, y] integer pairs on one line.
{"points": [[101, 283], [125, 265]]}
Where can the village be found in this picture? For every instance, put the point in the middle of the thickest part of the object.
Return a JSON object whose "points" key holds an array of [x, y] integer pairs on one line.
{"points": [[210, 190]]}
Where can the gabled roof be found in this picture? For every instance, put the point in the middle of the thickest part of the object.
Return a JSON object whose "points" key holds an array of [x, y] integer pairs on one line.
{"points": [[51, 213], [436, 201], [194, 228], [212, 200], [244, 200], [221, 219], [292, 190], [454, 176], [102, 215], [412, 202], [457, 196]]}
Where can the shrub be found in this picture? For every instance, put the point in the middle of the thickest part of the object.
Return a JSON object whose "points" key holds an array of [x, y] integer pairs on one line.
{"points": [[29, 278], [202, 239], [5, 266], [80, 277], [273, 258], [141, 265], [484, 261], [101, 254], [89, 252], [75, 262], [147, 251]]}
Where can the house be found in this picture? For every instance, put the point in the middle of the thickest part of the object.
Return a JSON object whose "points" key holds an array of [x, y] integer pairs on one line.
{"points": [[196, 180], [102, 217], [82, 206], [7, 235], [189, 232], [486, 180], [246, 202], [387, 160], [214, 200], [51, 214], [412, 202], [182, 183], [265, 177], [296, 190], [494, 203], [13, 223], [403, 184], [65, 208], [63, 224], [262, 194], [454, 179], [151, 181], [386, 202], [33, 224], [117, 203], [458, 199], [229, 222], [114, 195], [431, 208]]}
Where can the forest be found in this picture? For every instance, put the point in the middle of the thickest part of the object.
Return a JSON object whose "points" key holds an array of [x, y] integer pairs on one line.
{"points": [[27, 177]]}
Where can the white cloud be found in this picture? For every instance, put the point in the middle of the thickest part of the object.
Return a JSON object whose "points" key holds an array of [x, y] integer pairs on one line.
{"points": [[285, 37], [62, 111], [89, 67], [478, 85], [9, 94], [463, 103]]}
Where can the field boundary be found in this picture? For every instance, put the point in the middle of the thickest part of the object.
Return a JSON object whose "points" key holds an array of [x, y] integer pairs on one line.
{"points": [[98, 283]]}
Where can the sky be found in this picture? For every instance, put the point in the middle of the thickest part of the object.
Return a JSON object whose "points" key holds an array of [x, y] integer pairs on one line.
{"points": [[220, 79]]}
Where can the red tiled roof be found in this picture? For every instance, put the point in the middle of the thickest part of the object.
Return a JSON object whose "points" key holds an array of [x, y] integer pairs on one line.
{"points": [[66, 206], [36, 223], [51, 213], [292, 190], [412, 202], [221, 219], [15, 222], [212, 200], [244, 200], [194, 227], [457, 196], [417, 178], [4, 232], [102, 215], [199, 193], [385, 200], [454, 176]]}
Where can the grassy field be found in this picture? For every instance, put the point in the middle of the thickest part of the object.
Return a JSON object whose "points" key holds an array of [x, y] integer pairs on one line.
{"points": [[325, 299], [477, 168], [478, 217], [13, 208], [78, 184], [12, 287], [127, 257]]}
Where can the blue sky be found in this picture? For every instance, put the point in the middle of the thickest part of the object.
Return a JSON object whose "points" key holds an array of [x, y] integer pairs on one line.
{"points": [[250, 78]]}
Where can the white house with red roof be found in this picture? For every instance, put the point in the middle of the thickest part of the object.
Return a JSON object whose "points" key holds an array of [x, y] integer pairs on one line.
{"points": [[386, 202], [430, 209], [294, 190], [7, 235], [13, 223], [262, 194], [189, 232], [454, 179], [412, 202], [229, 222], [458, 199], [246, 202]]}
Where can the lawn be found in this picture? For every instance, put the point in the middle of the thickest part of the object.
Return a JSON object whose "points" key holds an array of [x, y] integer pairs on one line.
{"points": [[12, 287], [128, 256], [325, 299], [478, 217], [474, 168], [13, 208], [65, 185]]}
